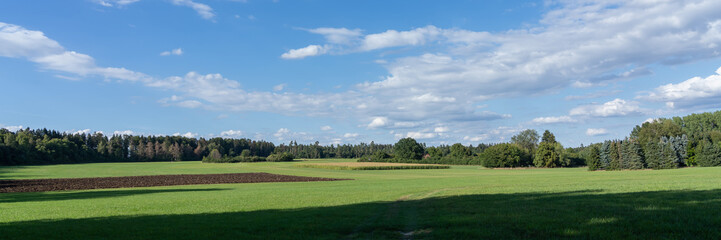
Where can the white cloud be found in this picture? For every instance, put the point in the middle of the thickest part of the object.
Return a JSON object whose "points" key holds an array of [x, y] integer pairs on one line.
{"points": [[573, 44], [326, 128], [84, 131], [441, 129], [190, 104], [591, 95], [187, 134], [430, 98], [111, 3], [549, 120], [281, 132], [649, 120], [378, 122], [12, 128], [203, 10], [393, 38], [338, 35], [420, 135], [18, 42], [279, 87], [694, 92], [300, 53], [475, 138], [176, 52], [350, 135], [125, 132], [596, 131], [613, 108]]}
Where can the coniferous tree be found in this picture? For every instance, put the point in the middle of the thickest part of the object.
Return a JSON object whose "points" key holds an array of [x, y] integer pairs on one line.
{"points": [[593, 159], [615, 158], [605, 155], [710, 154], [632, 155]]}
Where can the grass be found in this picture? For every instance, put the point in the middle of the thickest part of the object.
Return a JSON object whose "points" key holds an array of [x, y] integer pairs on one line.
{"points": [[372, 166], [463, 202]]}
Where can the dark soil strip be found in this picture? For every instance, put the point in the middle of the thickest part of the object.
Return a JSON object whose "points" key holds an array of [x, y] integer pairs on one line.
{"points": [[44, 185]]}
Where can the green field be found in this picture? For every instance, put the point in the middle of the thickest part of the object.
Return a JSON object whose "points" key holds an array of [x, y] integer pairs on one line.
{"points": [[463, 202]]}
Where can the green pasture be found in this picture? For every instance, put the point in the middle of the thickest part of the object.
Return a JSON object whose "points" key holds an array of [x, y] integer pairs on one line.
{"points": [[463, 202]]}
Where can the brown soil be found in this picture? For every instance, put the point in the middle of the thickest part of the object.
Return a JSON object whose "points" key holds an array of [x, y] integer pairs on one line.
{"points": [[44, 185]]}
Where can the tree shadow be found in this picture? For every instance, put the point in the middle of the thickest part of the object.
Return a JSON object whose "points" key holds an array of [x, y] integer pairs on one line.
{"points": [[5, 171], [62, 195], [567, 215]]}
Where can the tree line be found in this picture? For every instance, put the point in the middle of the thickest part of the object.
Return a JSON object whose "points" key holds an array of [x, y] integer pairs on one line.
{"points": [[43, 146], [693, 140], [523, 150]]}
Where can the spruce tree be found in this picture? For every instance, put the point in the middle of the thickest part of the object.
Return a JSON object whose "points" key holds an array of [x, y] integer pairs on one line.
{"points": [[632, 155], [593, 159], [615, 163], [605, 155], [652, 152]]}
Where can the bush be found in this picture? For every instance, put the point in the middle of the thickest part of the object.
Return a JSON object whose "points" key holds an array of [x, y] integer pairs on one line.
{"points": [[280, 157], [504, 155], [226, 159]]}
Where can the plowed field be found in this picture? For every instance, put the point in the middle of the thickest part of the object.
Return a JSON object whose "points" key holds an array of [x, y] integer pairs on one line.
{"points": [[45, 185]]}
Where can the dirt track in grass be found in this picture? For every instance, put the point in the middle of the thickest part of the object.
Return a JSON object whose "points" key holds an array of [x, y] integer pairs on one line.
{"points": [[62, 184]]}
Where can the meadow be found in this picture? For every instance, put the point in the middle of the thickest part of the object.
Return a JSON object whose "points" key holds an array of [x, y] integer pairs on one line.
{"points": [[372, 166], [463, 202]]}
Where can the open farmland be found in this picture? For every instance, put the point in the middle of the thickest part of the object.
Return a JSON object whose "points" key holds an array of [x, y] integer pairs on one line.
{"points": [[460, 202], [372, 166]]}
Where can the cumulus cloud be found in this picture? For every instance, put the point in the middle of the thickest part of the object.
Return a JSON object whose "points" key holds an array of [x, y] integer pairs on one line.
{"points": [[177, 52], [574, 44], [694, 92], [281, 132], [613, 108], [84, 131], [18, 42], [338, 35], [231, 134], [124, 132], [12, 128], [187, 134], [326, 128], [596, 131], [548, 120], [589, 43], [420, 135], [441, 129], [393, 38], [378, 122], [300, 53]]}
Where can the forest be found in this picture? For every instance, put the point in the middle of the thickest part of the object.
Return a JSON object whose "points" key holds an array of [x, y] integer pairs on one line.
{"points": [[693, 140]]}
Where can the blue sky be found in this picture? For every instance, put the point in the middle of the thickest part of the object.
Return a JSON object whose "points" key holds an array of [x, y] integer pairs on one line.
{"points": [[357, 71]]}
